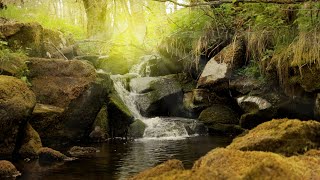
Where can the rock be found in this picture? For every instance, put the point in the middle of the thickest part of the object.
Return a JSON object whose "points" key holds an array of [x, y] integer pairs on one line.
{"points": [[16, 104], [8, 170], [220, 68], [33, 38], [282, 136], [119, 115], [31, 143], [199, 99], [13, 64], [97, 135], [155, 65], [166, 167], [72, 95], [219, 114], [220, 119], [102, 121], [77, 151], [224, 163], [258, 103], [48, 155], [136, 129], [307, 77], [159, 96]]}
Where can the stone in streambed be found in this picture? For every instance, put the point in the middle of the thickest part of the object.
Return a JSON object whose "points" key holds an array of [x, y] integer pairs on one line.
{"points": [[8, 170]]}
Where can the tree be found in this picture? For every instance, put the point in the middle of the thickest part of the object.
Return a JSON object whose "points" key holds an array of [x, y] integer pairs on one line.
{"points": [[99, 22]]}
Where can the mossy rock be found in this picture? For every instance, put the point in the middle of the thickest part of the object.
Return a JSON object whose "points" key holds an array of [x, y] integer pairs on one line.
{"points": [[283, 136], [136, 129], [48, 155], [31, 143], [219, 114], [168, 166], [8, 170], [16, 104], [102, 120], [309, 78], [222, 163], [119, 116]]}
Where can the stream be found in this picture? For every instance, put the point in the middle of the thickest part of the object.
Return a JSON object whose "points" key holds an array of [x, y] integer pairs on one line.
{"points": [[119, 160]]}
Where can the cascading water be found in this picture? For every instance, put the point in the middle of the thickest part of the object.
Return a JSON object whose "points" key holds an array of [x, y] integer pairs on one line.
{"points": [[157, 127]]}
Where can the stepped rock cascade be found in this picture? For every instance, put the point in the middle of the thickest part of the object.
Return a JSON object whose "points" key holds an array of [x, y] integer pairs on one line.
{"points": [[157, 127]]}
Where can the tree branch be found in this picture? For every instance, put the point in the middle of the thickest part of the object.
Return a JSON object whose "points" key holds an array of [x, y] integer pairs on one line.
{"points": [[219, 2]]}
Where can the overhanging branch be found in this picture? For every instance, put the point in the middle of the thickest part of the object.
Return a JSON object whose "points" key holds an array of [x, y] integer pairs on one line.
{"points": [[219, 2]]}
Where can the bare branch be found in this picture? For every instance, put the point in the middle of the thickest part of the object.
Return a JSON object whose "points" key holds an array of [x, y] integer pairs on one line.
{"points": [[219, 2]]}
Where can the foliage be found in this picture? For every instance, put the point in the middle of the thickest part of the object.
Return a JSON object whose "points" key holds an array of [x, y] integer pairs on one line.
{"points": [[41, 15]]}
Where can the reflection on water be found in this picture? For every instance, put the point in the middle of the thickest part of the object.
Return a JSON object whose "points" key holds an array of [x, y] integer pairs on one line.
{"points": [[120, 160]]}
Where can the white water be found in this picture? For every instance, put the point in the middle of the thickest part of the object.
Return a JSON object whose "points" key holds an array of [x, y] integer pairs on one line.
{"points": [[157, 127]]}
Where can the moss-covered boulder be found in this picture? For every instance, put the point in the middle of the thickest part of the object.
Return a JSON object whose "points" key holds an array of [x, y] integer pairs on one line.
{"points": [[72, 94], [8, 170], [220, 119], [166, 167], [31, 143], [33, 38], [283, 136], [16, 104], [136, 129], [119, 115], [223, 163], [48, 155], [13, 64]]}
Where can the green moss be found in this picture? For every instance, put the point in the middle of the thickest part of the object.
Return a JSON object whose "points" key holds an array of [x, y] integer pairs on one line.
{"points": [[218, 114]]}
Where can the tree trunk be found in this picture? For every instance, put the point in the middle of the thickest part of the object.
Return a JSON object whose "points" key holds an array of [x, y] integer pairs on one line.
{"points": [[97, 21]]}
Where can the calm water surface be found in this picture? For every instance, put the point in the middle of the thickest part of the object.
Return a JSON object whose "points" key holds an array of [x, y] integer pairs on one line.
{"points": [[121, 160]]}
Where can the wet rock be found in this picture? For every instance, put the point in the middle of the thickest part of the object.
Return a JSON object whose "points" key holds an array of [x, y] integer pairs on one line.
{"points": [[48, 155], [136, 129], [87, 152], [223, 163], [159, 96], [283, 136], [16, 104], [102, 120], [168, 166], [97, 135], [72, 94], [317, 107], [8, 170], [119, 115], [31, 143], [220, 68]]}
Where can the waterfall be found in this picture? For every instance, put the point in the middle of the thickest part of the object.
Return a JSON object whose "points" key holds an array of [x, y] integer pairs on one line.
{"points": [[157, 127]]}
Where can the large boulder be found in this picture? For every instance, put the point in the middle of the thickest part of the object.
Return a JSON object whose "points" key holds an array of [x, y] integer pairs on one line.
{"points": [[31, 143], [282, 136], [155, 65], [223, 163], [33, 39], [159, 96], [8, 170], [72, 96], [221, 67], [136, 129], [168, 166], [16, 104], [13, 64], [220, 119]]}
